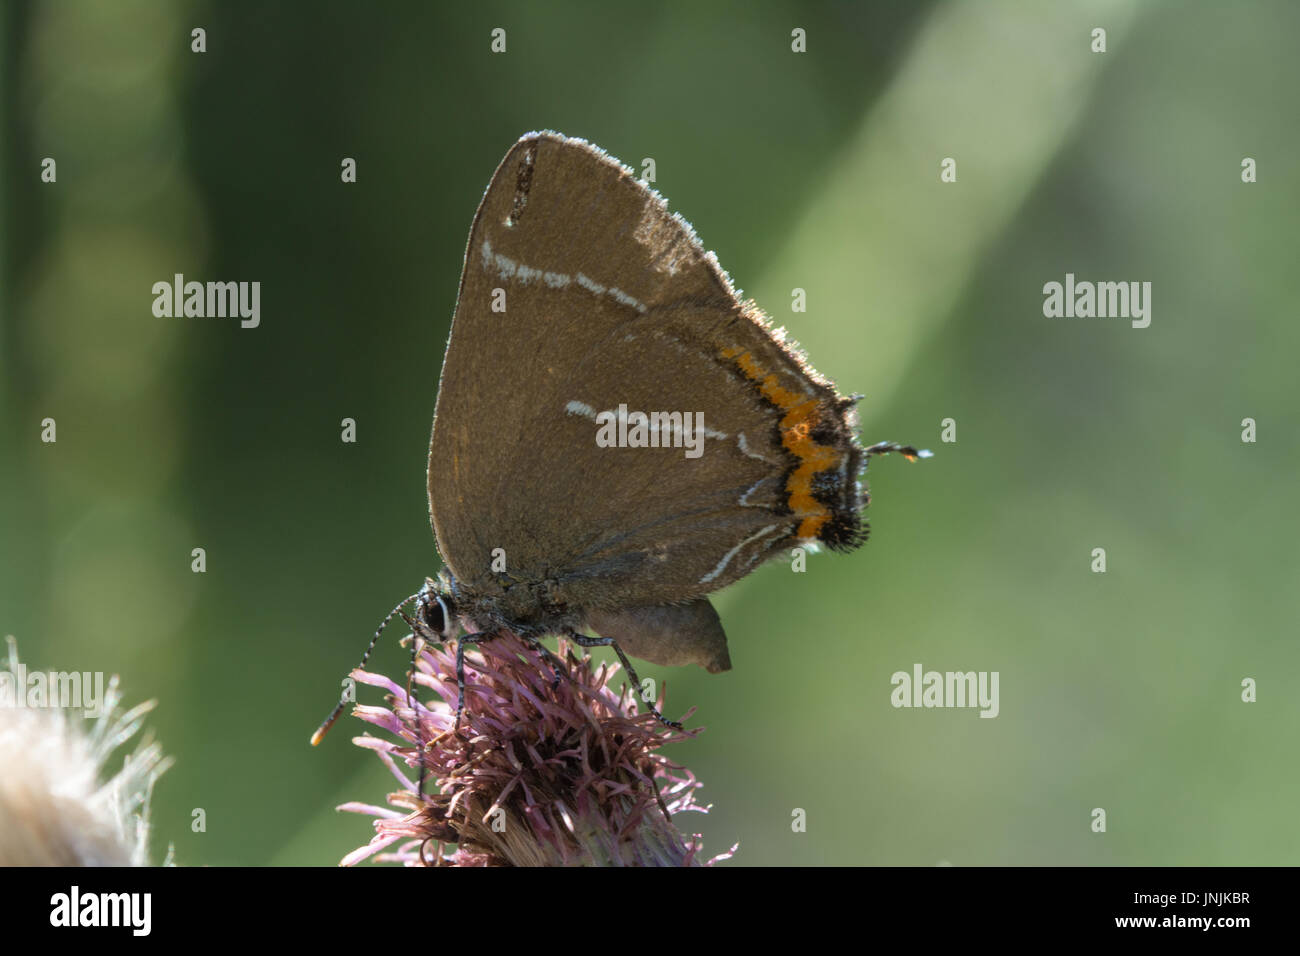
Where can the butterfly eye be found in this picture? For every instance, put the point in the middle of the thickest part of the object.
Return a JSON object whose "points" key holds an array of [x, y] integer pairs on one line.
{"points": [[435, 616]]}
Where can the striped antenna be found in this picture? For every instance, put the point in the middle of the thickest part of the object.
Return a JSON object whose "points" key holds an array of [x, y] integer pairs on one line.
{"points": [[338, 708]]}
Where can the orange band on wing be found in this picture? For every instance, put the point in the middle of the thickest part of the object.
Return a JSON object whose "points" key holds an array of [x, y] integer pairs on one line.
{"points": [[796, 430]]}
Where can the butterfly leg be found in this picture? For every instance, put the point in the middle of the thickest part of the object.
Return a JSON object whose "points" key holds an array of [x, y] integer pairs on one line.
{"points": [[481, 638], [417, 636], [475, 639], [557, 666], [585, 641]]}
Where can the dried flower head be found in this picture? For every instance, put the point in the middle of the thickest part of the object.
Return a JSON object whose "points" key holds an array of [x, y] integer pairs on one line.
{"points": [[539, 773], [57, 808]]}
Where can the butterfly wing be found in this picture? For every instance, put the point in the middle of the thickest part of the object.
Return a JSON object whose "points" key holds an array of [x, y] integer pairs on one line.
{"points": [[581, 294]]}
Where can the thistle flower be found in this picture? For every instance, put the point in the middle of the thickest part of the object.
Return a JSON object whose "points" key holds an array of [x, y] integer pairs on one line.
{"points": [[56, 806], [539, 773]]}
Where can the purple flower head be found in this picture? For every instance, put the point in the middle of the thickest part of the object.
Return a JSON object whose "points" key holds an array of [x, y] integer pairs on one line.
{"points": [[538, 774]]}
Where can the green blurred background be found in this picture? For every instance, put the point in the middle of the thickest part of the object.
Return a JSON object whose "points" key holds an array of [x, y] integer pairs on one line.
{"points": [[817, 170]]}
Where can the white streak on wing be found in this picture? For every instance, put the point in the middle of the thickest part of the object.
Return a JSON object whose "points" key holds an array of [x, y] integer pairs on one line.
{"points": [[620, 296], [744, 449], [674, 436], [754, 558], [752, 488], [678, 434], [507, 268], [726, 558], [591, 286]]}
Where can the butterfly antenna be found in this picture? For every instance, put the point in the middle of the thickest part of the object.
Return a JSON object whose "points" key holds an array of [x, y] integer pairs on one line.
{"points": [[338, 708], [885, 447]]}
